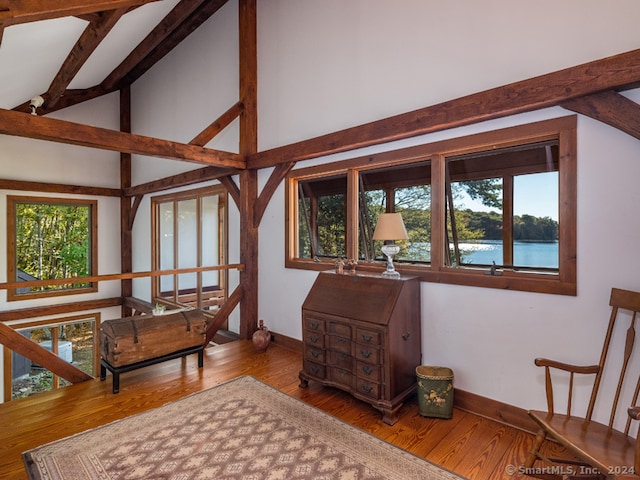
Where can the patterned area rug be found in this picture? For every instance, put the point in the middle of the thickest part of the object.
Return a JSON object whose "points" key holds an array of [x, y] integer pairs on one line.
{"points": [[242, 429]]}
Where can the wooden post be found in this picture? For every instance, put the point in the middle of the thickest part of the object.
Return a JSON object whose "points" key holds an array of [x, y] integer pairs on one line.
{"points": [[126, 265], [248, 178]]}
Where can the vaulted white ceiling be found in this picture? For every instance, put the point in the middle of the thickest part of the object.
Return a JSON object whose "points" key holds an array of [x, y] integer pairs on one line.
{"points": [[119, 42]]}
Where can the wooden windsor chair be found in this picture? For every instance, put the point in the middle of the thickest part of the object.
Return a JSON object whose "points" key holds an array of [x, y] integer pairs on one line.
{"points": [[604, 450]]}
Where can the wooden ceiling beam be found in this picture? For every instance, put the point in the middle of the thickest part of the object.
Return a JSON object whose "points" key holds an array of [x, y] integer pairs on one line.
{"points": [[276, 177], [25, 11], [68, 99], [61, 131], [218, 125], [618, 72], [232, 187], [177, 25], [191, 177], [92, 36], [171, 41], [22, 185], [611, 108]]}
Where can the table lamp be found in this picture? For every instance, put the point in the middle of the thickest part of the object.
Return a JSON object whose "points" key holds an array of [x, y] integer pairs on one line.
{"points": [[389, 228]]}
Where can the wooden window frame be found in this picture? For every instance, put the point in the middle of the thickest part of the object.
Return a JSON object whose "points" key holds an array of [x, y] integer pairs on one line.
{"points": [[223, 237], [563, 282], [54, 324], [12, 200]]}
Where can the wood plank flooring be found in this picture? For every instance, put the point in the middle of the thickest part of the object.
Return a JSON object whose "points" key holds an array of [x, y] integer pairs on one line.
{"points": [[472, 446]]}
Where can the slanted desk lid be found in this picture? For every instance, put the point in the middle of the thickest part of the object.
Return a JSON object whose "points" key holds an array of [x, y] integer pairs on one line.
{"points": [[368, 297]]}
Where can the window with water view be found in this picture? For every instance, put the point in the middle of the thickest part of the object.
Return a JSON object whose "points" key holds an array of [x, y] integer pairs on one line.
{"points": [[502, 208], [478, 215]]}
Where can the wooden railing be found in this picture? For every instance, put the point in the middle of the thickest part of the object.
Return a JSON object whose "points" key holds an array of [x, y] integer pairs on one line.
{"points": [[24, 346], [117, 276]]}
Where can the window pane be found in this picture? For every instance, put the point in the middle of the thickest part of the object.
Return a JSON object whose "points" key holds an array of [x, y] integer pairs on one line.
{"points": [[407, 190], [474, 233], [187, 234], [166, 253], [73, 341], [322, 217], [535, 227], [52, 242], [210, 239], [187, 245], [502, 208], [81, 336], [30, 378]]}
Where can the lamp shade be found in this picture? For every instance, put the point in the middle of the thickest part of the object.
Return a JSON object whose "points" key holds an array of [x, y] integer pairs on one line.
{"points": [[390, 227]]}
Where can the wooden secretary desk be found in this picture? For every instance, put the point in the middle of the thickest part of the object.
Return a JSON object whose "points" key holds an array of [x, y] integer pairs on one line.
{"points": [[361, 333]]}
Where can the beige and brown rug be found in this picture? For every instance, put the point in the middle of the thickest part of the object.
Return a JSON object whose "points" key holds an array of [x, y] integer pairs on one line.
{"points": [[242, 429]]}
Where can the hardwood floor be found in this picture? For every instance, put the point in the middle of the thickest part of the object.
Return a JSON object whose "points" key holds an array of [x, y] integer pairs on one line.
{"points": [[472, 446]]}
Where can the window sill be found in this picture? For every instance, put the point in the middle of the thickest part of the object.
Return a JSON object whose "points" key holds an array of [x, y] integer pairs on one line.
{"points": [[507, 280]]}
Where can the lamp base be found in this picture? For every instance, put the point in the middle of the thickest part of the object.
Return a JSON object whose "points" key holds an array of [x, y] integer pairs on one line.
{"points": [[390, 250], [392, 273]]}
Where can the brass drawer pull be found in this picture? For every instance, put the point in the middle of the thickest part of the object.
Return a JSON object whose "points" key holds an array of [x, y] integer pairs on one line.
{"points": [[365, 353]]}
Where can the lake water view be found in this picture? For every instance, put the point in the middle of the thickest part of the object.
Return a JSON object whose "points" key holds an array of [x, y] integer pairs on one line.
{"points": [[485, 252], [525, 254]]}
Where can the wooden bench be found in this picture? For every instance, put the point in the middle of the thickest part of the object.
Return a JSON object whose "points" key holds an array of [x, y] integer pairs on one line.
{"points": [[130, 343], [116, 371]]}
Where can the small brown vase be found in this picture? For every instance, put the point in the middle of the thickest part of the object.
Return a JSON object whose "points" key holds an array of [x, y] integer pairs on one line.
{"points": [[261, 337]]}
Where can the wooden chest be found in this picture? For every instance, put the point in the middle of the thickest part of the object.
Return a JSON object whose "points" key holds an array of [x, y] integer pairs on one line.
{"points": [[362, 333], [129, 340]]}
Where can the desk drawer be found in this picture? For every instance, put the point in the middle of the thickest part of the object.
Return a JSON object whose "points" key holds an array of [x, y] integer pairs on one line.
{"points": [[367, 354], [314, 354], [313, 324], [342, 360], [341, 329], [368, 337], [339, 344], [341, 377], [371, 390], [315, 369], [313, 339], [368, 372]]}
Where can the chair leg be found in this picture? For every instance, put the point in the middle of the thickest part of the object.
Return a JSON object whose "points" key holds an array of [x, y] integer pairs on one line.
{"points": [[535, 449]]}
